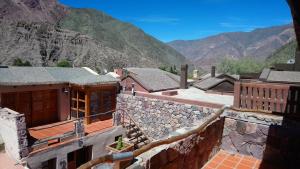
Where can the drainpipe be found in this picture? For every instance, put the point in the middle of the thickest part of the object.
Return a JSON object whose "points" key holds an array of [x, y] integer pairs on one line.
{"points": [[110, 158]]}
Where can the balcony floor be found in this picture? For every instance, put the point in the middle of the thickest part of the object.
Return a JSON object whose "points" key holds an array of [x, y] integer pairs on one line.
{"points": [[55, 129], [226, 160]]}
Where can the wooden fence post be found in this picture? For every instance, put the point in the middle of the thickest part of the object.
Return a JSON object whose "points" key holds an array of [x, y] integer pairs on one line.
{"points": [[237, 94]]}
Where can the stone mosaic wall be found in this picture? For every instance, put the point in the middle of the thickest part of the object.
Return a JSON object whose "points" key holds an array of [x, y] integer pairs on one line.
{"points": [[271, 138], [13, 132], [157, 118], [190, 153]]}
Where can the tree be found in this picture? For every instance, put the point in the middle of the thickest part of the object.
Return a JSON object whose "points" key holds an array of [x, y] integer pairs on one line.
{"points": [[19, 62], [63, 63]]}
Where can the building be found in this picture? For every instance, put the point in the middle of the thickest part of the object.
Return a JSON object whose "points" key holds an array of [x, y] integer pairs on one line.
{"points": [[56, 117], [275, 76], [220, 83], [148, 79]]}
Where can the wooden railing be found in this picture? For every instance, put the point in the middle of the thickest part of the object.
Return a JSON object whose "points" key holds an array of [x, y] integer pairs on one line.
{"points": [[262, 96]]}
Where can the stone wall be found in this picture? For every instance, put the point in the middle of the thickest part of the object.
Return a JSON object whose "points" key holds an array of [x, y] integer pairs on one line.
{"points": [[13, 132], [190, 153], [267, 137], [158, 118]]}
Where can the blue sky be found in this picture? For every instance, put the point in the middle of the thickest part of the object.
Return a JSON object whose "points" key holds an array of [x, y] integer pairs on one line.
{"points": [[169, 20]]}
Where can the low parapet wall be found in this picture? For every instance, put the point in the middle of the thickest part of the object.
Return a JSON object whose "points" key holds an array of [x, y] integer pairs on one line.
{"points": [[13, 132], [158, 117], [190, 153]]}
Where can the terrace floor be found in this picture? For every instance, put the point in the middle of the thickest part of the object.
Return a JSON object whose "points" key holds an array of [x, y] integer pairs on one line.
{"points": [[55, 129], [226, 160]]}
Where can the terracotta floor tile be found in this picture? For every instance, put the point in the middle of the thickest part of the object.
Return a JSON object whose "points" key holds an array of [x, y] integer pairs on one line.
{"points": [[241, 166], [234, 158], [213, 164], [229, 163], [248, 163], [222, 166]]}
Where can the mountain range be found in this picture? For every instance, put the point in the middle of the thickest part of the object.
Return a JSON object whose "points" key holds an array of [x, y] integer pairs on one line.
{"points": [[45, 32], [259, 43]]}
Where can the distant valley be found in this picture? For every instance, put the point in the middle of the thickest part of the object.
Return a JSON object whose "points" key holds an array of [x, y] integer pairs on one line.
{"points": [[258, 44]]}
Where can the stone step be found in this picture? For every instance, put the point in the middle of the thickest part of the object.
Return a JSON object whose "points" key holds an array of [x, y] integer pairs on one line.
{"points": [[134, 140], [132, 130], [135, 134]]}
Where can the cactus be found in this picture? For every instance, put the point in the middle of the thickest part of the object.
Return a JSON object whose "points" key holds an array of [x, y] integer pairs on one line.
{"points": [[119, 144]]}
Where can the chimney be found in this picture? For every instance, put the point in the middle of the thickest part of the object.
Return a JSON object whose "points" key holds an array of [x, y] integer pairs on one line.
{"points": [[213, 71], [195, 74], [119, 72], [183, 76]]}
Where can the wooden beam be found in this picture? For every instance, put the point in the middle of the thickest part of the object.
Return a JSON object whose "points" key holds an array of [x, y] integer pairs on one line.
{"points": [[87, 107]]}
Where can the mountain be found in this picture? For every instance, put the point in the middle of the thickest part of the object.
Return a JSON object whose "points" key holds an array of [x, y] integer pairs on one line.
{"points": [[283, 54], [140, 48], [44, 32], [259, 43], [32, 10]]}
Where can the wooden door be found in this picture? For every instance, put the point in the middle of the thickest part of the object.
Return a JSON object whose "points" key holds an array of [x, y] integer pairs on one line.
{"points": [[44, 107]]}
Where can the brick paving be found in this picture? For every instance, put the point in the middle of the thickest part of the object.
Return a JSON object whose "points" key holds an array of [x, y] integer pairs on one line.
{"points": [[226, 160]]}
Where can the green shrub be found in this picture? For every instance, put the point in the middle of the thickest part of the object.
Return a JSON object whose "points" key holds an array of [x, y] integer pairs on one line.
{"points": [[19, 62], [63, 63]]}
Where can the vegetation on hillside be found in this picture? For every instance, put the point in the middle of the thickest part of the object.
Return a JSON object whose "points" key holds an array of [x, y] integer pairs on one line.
{"points": [[64, 63], [251, 65], [244, 65], [283, 54], [171, 69], [19, 62]]}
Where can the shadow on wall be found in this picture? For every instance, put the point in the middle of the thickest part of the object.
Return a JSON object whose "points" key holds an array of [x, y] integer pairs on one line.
{"points": [[283, 142], [192, 152]]}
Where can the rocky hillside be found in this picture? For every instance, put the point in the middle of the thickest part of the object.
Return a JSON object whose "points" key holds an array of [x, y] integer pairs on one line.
{"points": [[259, 43], [283, 54], [45, 32]]}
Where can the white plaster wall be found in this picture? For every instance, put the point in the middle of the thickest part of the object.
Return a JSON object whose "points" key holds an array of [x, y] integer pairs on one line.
{"points": [[13, 132], [97, 140]]}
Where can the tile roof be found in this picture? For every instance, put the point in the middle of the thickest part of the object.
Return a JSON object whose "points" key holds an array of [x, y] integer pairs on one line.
{"points": [[280, 76], [154, 79], [18, 76], [209, 82]]}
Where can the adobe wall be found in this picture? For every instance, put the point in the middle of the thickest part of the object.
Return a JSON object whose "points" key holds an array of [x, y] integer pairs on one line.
{"points": [[190, 153], [158, 118], [13, 133], [126, 83]]}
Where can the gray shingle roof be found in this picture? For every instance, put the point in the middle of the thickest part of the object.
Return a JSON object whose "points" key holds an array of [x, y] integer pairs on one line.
{"points": [[280, 76], [17, 76], [208, 83], [154, 79]]}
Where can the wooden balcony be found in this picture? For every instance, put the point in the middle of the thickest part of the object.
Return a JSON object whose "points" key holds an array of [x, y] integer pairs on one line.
{"points": [[267, 97], [57, 133]]}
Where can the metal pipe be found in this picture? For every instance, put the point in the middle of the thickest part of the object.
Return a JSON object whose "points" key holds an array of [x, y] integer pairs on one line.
{"points": [[129, 155]]}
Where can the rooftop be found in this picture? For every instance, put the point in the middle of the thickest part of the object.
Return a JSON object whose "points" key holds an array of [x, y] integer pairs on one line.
{"points": [[193, 93], [280, 76], [18, 76], [154, 79]]}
